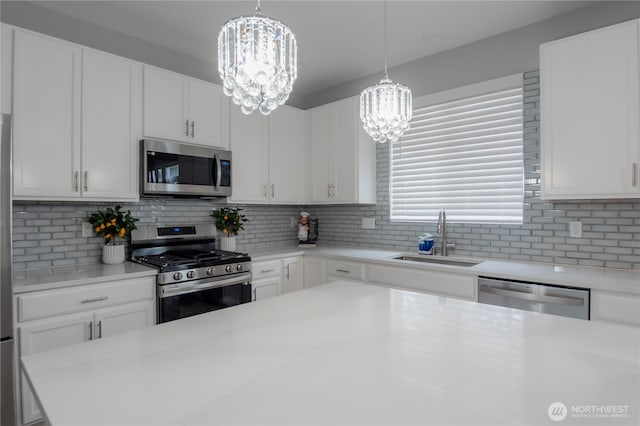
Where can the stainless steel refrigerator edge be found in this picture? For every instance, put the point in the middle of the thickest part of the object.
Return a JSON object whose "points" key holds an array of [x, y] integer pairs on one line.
{"points": [[7, 396]]}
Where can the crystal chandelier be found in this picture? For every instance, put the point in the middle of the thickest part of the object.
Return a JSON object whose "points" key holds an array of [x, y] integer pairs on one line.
{"points": [[386, 108], [257, 62]]}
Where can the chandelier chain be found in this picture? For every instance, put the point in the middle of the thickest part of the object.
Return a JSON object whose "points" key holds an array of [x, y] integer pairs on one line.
{"points": [[386, 75]]}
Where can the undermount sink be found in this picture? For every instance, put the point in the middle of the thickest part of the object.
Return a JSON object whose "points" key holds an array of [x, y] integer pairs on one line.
{"points": [[439, 260]]}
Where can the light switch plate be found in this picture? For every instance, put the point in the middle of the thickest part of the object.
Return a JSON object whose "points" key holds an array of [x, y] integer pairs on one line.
{"points": [[292, 222], [575, 229], [368, 223], [87, 230]]}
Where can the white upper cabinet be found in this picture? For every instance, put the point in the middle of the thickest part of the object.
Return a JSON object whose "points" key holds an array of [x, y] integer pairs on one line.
{"points": [[165, 105], [209, 114], [343, 157], [77, 121], [249, 146], [6, 58], [322, 152], [590, 109], [287, 152], [269, 156], [181, 108], [111, 126], [46, 117]]}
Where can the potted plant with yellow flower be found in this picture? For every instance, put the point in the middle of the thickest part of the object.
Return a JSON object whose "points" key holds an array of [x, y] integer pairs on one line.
{"points": [[113, 225], [229, 220]]}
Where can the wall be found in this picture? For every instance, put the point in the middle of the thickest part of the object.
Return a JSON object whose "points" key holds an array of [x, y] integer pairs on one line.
{"points": [[504, 54], [611, 230], [50, 234]]}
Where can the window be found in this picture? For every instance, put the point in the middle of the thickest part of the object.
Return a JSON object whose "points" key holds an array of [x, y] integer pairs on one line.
{"points": [[463, 153]]}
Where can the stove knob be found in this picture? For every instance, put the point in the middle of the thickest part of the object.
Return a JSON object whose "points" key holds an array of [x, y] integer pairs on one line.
{"points": [[191, 274], [177, 276], [211, 271], [239, 267], [227, 268]]}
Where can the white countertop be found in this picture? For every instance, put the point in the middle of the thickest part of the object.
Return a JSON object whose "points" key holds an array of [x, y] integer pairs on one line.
{"points": [[69, 276], [257, 256], [344, 353], [617, 280]]}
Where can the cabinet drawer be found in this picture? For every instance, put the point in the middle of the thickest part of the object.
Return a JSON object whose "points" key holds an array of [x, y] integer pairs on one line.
{"points": [[266, 268], [615, 307], [50, 303], [345, 269]]}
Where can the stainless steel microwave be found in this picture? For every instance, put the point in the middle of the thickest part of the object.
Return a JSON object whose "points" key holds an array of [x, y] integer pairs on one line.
{"points": [[180, 169]]}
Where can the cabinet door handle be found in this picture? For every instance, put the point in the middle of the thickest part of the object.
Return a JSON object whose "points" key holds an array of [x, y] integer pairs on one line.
{"points": [[344, 271], [76, 184], [91, 330], [254, 295], [329, 190], [634, 174], [186, 123], [288, 272], [333, 191], [86, 181], [99, 330], [193, 129], [266, 270], [273, 191], [95, 299], [264, 190]]}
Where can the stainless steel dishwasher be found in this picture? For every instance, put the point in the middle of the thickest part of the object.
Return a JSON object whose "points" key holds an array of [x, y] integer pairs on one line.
{"points": [[549, 299]]}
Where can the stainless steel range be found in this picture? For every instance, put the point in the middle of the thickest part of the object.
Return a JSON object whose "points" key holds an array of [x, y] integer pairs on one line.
{"points": [[193, 276]]}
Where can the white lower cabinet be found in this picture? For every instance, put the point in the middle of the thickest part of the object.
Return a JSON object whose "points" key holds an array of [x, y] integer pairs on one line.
{"points": [[345, 270], [315, 271], [104, 315], [618, 308], [293, 271], [266, 288], [276, 276], [267, 279], [440, 283]]}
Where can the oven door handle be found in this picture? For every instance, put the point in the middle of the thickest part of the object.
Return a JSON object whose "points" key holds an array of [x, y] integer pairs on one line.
{"points": [[190, 287]]}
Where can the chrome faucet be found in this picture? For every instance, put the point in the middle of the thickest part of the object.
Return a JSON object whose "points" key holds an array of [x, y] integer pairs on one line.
{"points": [[441, 229]]}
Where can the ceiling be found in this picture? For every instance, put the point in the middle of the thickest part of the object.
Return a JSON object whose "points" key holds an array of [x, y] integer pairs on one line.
{"points": [[338, 41]]}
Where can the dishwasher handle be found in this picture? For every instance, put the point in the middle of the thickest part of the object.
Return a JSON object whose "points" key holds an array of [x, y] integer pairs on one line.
{"points": [[563, 300]]}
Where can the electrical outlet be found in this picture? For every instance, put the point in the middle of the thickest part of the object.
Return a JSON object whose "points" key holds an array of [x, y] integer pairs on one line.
{"points": [[575, 229], [292, 222], [87, 230], [368, 223]]}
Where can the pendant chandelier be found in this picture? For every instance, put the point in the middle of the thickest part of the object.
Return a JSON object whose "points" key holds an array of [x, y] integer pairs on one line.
{"points": [[257, 62], [386, 108]]}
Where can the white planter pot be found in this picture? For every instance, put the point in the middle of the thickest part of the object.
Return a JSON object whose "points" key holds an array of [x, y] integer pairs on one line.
{"points": [[228, 243], [112, 254]]}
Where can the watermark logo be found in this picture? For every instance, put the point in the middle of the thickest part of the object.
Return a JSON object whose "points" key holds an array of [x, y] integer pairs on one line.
{"points": [[557, 411]]}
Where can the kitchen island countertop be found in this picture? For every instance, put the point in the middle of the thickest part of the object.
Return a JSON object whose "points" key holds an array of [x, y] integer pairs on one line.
{"points": [[345, 353]]}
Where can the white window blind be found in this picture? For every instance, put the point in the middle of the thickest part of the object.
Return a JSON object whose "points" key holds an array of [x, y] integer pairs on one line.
{"points": [[463, 153]]}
